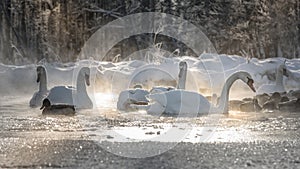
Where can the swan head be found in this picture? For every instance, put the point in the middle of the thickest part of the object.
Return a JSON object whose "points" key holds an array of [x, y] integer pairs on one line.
{"points": [[40, 71], [183, 65], [182, 69], [282, 69], [247, 78], [85, 72]]}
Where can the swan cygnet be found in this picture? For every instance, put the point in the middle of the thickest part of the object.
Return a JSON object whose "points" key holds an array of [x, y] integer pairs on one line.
{"points": [[294, 94], [262, 99], [284, 99], [235, 105], [250, 106], [61, 109], [290, 106], [272, 103]]}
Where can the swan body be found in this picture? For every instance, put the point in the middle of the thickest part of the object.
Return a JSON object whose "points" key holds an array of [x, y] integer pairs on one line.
{"points": [[159, 89], [70, 95], [278, 86], [61, 109], [192, 103], [131, 96], [42, 93], [138, 95]]}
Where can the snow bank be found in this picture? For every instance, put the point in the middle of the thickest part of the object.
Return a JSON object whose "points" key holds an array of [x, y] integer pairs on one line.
{"points": [[205, 74]]}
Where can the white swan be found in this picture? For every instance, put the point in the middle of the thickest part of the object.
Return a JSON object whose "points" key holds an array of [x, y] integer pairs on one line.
{"points": [[131, 96], [192, 103], [38, 96], [278, 86], [70, 95], [138, 95], [181, 80]]}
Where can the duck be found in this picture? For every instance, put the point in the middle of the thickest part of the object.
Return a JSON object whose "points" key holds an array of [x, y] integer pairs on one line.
{"points": [[71, 95], [278, 86], [177, 102], [37, 98], [60, 109], [137, 95]]}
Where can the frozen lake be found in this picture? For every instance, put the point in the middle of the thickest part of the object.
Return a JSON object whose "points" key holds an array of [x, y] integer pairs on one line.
{"points": [[29, 139], [103, 137]]}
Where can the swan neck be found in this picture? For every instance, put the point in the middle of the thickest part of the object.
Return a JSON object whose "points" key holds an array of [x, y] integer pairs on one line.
{"points": [[279, 77], [81, 83], [43, 82], [223, 103], [182, 78]]}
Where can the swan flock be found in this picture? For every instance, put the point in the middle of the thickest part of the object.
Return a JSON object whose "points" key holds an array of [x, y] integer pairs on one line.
{"points": [[171, 100]]}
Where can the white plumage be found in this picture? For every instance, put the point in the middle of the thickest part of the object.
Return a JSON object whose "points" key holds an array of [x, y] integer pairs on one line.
{"points": [[70, 95]]}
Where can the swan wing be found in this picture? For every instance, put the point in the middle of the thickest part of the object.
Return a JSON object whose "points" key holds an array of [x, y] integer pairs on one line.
{"points": [[129, 96], [37, 99]]}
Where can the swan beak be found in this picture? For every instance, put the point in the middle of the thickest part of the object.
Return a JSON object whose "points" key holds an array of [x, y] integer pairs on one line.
{"points": [[250, 84]]}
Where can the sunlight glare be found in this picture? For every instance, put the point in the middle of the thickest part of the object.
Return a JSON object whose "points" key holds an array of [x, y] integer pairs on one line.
{"points": [[105, 100]]}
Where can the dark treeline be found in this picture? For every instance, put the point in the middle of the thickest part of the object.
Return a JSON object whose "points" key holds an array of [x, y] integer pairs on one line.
{"points": [[57, 29]]}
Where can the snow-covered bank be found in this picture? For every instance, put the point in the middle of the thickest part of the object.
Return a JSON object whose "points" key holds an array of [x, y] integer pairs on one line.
{"points": [[205, 74]]}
